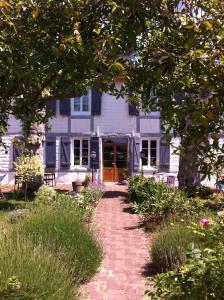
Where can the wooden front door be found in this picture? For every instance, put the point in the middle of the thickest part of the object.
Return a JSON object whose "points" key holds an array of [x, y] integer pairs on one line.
{"points": [[115, 158]]}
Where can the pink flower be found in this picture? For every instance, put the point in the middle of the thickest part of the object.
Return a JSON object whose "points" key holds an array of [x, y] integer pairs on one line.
{"points": [[204, 222]]}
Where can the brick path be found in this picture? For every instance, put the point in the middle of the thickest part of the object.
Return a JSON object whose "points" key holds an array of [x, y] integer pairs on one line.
{"points": [[122, 273]]}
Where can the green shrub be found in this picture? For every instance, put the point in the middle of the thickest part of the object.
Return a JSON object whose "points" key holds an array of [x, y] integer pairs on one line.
{"points": [[17, 215], [162, 202], [199, 191], [156, 199], [170, 247], [63, 234], [92, 195], [141, 189], [39, 275], [201, 276], [45, 195]]}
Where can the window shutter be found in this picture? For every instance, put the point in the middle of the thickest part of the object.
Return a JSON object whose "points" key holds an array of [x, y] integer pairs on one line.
{"points": [[50, 152], [51, 107], [94, 146], [65, 153], [133, 110], [164, 156], [136, 154], [16, 152], [96, 102], [65, 107]]}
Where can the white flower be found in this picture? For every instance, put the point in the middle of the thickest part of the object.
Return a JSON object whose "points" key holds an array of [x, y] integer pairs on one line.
{"points": [[220, 213]]}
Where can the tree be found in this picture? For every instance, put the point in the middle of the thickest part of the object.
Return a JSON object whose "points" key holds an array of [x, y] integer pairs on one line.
{"points": [[49, 49], [180, 54], [53, 49]]}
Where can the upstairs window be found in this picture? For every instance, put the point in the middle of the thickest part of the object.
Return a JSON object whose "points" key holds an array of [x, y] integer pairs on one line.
{"points": [[150, 150], [81, 105], [81, 152]]}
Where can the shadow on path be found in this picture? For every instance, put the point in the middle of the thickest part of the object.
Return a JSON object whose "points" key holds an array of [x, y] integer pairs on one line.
{"points": [[114, 194], [149, 269]]}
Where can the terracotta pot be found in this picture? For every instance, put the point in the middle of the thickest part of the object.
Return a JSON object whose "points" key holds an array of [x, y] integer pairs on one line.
{"points": [[77, 186]]}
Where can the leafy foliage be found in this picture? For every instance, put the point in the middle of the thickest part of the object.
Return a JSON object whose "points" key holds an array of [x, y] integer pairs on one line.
{"points": [[28, 167], [45, 195], [155, 199], [201, 277]]}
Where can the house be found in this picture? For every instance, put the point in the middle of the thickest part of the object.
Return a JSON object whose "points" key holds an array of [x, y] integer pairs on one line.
{"points": [[110, 127]]}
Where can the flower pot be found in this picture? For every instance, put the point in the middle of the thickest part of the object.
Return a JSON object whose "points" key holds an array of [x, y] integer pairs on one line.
{"points": [[77, 186]]}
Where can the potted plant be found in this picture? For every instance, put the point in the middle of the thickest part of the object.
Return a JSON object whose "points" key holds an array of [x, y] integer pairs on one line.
{"points": [[87, 179], [77, 186]]}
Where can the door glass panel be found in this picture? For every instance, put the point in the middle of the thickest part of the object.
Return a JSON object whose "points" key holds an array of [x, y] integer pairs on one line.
{"points": [[121, 157], [108, 157]]}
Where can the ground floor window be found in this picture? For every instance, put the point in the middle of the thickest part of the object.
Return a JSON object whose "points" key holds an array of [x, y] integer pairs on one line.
{"points": [[150, 148], [81, 152]]}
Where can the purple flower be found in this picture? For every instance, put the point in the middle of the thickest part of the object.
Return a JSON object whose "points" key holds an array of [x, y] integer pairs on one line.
{"points": [[205, 95], [204, 222]]}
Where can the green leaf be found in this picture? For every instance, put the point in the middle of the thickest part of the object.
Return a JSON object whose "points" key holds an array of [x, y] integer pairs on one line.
{"points": [[207, 24]]}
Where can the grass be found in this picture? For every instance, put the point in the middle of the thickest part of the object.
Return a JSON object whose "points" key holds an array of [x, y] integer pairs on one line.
{"points": [[63, 234], [41, 275], [7, 206]]}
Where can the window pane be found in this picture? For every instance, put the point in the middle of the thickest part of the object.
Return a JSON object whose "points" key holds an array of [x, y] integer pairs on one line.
{"points": [[153, 153], [153, 144], [85, 103], [144, 144], [145, 152], [85, 144], [76, 152], [85, 152], [84, 161], [77, 104]]}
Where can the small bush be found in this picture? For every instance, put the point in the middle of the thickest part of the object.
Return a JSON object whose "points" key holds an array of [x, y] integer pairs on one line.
{"points": [[141, 189], [155, 200], [170, 247], [39, 275], [63, 234], [201, 277], [92, 195], [199, 191], [17, 215], [162, 202], [45, 195]]}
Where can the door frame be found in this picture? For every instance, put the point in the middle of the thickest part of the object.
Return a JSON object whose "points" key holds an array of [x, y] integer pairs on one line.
{"points": [[114, 145]]}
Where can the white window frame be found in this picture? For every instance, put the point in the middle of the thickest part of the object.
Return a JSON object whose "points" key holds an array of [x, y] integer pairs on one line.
{"points": [[81, 113], [149, 167], [79, 167]]}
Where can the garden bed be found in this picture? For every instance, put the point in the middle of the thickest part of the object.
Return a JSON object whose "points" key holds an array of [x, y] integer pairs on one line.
{"points": [[50, 246], [187, 248]]}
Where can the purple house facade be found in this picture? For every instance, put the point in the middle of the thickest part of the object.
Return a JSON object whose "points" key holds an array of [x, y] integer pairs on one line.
{"points": [[97, 123]]}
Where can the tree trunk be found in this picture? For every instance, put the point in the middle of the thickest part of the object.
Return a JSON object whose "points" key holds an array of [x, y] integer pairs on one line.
{"points": [[188, 175]]}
